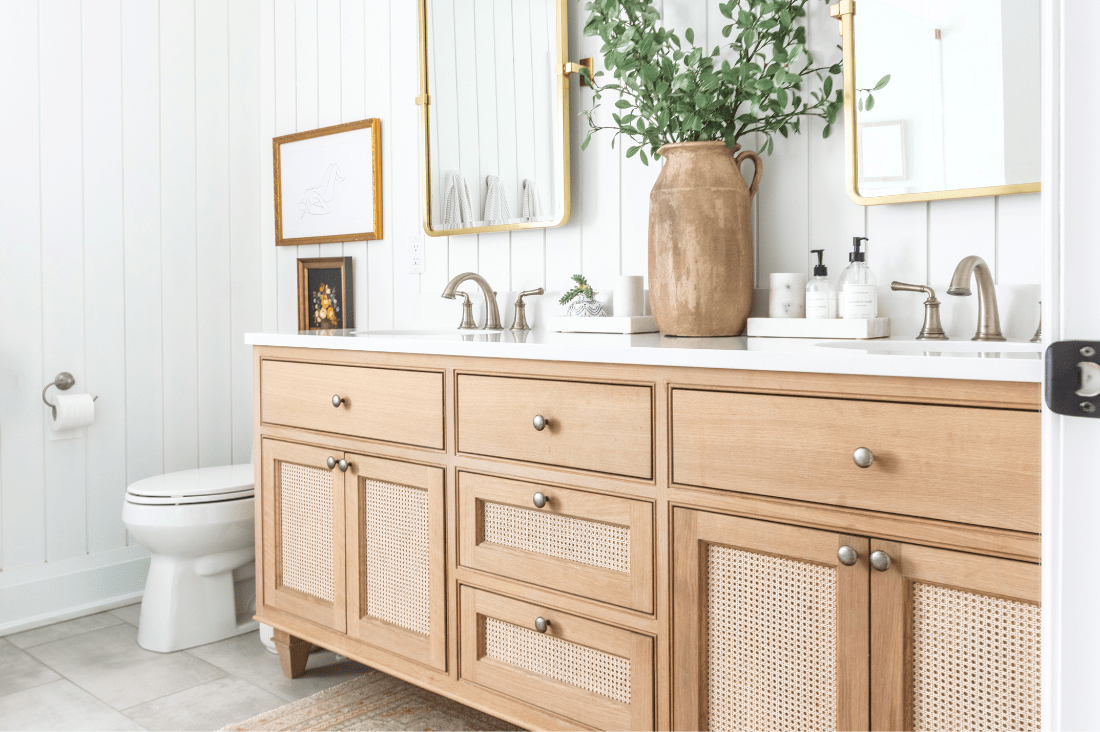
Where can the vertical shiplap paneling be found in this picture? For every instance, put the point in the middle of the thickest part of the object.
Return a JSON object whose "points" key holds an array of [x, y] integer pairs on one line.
{"points": [[285, 123], [178, 240], [215, 284], [63, 259], [268, 62], [957, 229], [104, 267], [898, 248], [246, 155], [142, 220], [328, 84], [307, 81], [380, 31], [1019, 250], [353, 107], [22, 509]]}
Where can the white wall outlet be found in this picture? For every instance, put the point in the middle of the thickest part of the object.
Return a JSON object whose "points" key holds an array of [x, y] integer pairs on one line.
{"points": [[416, 253]]}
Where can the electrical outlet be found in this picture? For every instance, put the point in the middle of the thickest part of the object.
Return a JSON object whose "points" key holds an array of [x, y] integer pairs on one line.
{"points": [[416, 254]]}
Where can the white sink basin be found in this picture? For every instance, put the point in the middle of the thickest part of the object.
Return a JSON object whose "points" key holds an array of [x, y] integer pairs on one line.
{"points": [[425, 332], [916, 347]]}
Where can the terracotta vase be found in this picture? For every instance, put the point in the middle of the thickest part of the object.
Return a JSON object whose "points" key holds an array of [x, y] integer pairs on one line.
{"points": [[701, 273]]}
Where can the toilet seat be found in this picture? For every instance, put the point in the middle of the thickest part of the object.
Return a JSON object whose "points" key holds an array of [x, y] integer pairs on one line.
{"points": [[201, 485]]}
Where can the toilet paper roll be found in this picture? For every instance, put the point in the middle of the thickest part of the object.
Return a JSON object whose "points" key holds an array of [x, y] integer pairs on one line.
{"points": [[628, 296], [73, 411]]}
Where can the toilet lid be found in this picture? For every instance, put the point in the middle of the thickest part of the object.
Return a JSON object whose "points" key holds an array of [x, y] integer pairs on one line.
{"points": [[201, 485]]}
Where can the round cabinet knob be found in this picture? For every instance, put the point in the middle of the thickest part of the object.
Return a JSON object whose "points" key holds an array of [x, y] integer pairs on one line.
{"points": [[331, 462], [541, 624], [863, 457], [540, 422], [344, 465], [337, 400], [540, 500], [847, 556], [881, 561]]}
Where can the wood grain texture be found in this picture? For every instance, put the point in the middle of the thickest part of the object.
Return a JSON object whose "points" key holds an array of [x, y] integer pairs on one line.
{"points": [[293, 653], [802, 448], [601, 427], [379, 404]]}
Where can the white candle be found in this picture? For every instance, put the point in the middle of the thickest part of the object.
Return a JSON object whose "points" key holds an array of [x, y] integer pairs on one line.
{"points": [[628, 296], [787, 297]]}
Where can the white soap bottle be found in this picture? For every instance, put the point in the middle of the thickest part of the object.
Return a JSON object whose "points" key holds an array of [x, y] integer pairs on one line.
{"points": [[858, 298], [820, 293]]}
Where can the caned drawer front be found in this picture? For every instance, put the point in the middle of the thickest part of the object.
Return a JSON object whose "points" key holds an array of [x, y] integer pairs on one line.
{"points": [[601, 427], [587, 671], [378, 404], [583, 543], [964, 464]]}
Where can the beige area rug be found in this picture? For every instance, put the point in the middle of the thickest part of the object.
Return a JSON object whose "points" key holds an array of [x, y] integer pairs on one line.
{"points": [[374, 701]]}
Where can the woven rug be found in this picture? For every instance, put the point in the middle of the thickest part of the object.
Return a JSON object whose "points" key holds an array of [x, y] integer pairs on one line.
{"points": [[374, 701]]}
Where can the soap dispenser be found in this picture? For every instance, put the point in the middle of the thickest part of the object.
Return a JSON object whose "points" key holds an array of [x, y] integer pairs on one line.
{"points": [[820, 292], [858, 298]]}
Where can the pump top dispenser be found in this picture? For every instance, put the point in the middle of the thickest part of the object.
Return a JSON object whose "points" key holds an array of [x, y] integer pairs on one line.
{"points": [[820, 293], [858, 298]]}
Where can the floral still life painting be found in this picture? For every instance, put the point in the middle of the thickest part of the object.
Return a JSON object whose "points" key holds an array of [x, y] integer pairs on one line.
{"points": [[326, 297]]}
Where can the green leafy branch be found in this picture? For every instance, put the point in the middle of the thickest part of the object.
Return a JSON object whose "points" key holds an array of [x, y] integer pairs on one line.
{"points": [[669, 91], [869, 100], [581, 288]]}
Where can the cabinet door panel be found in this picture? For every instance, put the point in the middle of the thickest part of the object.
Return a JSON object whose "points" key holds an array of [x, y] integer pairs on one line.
{"points": [[955, 641], [396, 555], [770, 631], [302, 519]]}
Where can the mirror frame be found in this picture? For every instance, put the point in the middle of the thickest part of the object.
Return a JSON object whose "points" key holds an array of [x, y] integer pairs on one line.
{"points": [[845, 11], [424, 102]]}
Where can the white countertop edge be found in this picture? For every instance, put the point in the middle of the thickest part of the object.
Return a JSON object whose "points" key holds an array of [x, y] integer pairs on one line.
{"points": [[820, 361]]}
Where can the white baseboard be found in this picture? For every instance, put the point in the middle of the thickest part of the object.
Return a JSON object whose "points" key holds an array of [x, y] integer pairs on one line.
{"points": [[41, 594]]}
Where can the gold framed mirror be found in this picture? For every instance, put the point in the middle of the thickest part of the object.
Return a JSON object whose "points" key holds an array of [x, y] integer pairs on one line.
{"points": [[941, 99], [494, 115]]}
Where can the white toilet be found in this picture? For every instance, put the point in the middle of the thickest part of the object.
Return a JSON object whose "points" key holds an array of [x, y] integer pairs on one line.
{"points": [[198, 525]]}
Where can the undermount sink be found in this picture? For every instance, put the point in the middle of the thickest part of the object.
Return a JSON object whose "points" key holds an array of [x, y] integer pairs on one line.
{"points": [[917, 347]]}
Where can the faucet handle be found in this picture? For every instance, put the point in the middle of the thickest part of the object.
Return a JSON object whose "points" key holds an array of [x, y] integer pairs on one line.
{"points": [[520, 321], [933, 329], [467, 313]]}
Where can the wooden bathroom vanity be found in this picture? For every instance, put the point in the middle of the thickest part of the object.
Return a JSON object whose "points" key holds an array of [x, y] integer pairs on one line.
{"points": [[675, 548]]}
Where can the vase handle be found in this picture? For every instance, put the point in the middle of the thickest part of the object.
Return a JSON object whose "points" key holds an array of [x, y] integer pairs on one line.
{"points": [[756, 165]]}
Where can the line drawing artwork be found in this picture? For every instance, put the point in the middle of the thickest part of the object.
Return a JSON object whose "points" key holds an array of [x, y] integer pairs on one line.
{"points": [[315, 200]]}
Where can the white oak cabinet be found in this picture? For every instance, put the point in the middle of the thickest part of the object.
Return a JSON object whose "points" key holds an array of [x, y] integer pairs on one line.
{"points": [[600, 546]]}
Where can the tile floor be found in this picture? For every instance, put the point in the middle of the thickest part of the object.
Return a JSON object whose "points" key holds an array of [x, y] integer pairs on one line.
{"points": [[90, 674]]}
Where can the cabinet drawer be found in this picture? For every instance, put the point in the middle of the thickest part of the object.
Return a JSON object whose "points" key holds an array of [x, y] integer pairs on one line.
{"points": [[590, 672], [602, 427], [583, 543], [379, 404], [964, 464]]}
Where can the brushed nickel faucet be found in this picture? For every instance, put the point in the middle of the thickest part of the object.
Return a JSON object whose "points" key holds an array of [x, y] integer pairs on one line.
{"points": [[492, 314], [932, 330], [989, 321]]}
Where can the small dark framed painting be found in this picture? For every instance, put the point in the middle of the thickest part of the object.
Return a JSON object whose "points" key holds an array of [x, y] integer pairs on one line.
{"points": [[326, 294]]}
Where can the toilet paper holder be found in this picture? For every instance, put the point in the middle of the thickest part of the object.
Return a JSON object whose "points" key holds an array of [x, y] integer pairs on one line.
{"points": [[63, 381]]}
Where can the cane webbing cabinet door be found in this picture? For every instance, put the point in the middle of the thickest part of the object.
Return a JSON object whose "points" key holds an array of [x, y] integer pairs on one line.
{"points": [[396, 557], [770, 630], [580, 542], [596, 674], [302, 504], [954, 641]]}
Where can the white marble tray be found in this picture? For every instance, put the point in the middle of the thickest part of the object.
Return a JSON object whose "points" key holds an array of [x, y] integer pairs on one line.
{"points": [[818, 328], [633, 324]]}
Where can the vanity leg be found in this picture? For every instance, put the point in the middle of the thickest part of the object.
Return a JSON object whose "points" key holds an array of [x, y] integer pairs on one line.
{"points": [[293, 653]]}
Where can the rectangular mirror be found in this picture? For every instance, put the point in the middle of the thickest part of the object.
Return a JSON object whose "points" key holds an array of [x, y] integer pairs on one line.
{"points": [[494, 118], [941, 98]]}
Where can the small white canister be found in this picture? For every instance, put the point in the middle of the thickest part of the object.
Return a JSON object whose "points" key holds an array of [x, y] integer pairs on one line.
{"points": [[787, 297]]}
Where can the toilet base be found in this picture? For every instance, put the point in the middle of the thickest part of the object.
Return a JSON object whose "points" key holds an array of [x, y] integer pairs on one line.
{"points": [[191, 602]]}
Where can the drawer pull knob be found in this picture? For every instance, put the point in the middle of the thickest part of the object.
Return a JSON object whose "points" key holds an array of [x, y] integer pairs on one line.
{"points": [[847, 556], [344, 465], [540, 499], [331, 462], [541, 624], [863, 457], [540, 422], [881, 561], [337, 400]]}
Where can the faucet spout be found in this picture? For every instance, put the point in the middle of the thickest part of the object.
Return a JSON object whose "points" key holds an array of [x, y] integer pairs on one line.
{"points": [[989, 320], [492, 313]]}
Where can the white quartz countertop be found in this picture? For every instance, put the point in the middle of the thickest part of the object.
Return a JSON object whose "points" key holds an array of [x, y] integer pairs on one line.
{"points": [[1011, 361]]}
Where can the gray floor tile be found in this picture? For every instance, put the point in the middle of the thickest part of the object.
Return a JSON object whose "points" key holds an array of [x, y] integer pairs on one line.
{"points": [[65, 629], [245, 657], [129, 613], [19, 671], [109, 664], [59, 705], [207, 707]]}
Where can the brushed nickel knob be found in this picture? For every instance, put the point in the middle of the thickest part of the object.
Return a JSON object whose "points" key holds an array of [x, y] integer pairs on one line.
{"points": [[337, 400], [344, 465], [881, 561], [540, 422], [847, 556], [540, 499], [863, 457], [541, 624], [331, 462]]}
